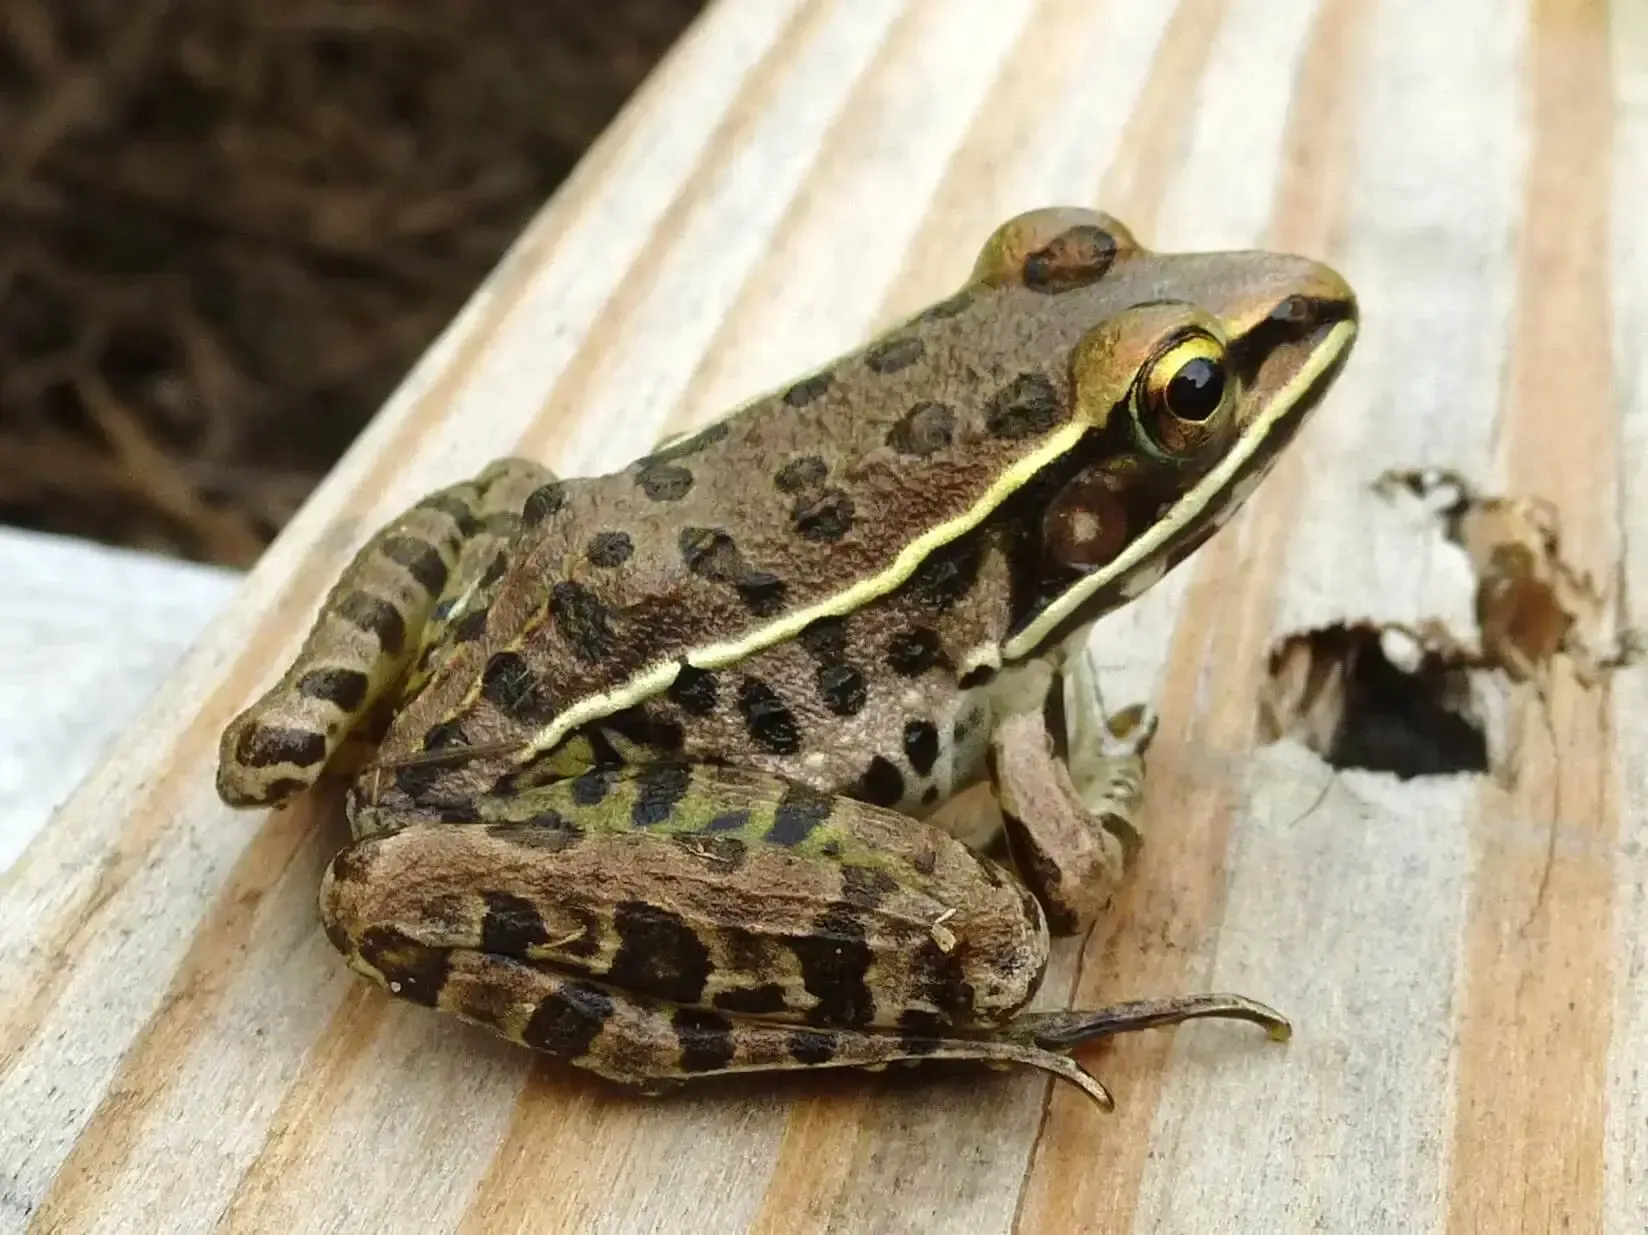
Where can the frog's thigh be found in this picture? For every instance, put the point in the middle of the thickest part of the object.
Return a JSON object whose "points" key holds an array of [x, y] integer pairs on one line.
{"points": [[1070, 822], [375, 620], [447, 941]]}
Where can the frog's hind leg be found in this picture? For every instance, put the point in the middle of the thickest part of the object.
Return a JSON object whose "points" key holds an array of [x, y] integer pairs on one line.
{"points": [[381, 616], [650, 1043]]}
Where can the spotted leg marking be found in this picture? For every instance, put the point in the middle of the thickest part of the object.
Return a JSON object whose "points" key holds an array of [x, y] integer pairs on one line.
{"points": [[382, 615], [647, 1043]]}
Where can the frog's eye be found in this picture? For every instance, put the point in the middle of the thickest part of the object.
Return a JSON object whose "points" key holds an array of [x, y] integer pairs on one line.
{"points": [[1180, 391]]}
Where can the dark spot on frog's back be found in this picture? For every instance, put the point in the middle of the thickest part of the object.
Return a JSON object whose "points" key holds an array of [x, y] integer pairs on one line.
{"points": [[843, 689], [825, 518], [343, 688], [894, 354], [1026, 406], [377, 616], [808, 390], [664, 482], [420, 559], [609, 549], [825, 638], [1074, 258], [511, 926], [802, 472], [262, 746], [508, 684], [543, 503], [658, 954], [913, 652], [763, 593], [834, 960], [567, 1022], [946, 575], [694, 691], [924, 430], [710, 553], [705, 1038], [583, 621], [769, 723], [659, 789]]}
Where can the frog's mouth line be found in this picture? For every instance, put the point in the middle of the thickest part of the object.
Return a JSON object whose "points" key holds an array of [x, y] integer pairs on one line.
{"points": [[1210, 503]]}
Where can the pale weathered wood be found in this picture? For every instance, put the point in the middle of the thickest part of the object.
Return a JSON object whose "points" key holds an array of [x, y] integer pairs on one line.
{"points": [[180, 1050], [78, 668]]}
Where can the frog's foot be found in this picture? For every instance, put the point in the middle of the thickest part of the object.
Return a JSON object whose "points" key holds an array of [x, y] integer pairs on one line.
{"points": [[385, 611], [1060, 1031]]}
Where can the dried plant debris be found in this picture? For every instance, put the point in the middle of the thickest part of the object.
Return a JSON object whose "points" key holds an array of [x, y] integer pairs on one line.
{"points": [[1378, 697], [1424, 700], [1531, 605], [230, 230]]}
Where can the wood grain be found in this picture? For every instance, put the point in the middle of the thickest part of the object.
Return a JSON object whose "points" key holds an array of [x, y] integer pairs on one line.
{"points": [[1464, 957]]}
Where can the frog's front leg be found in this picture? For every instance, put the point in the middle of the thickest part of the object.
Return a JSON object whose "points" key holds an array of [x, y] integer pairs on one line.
{"points": [[1070, 820], [386, 610]]}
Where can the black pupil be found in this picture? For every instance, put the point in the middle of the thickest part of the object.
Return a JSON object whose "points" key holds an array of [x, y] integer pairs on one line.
{"points": [[1196, 389]]}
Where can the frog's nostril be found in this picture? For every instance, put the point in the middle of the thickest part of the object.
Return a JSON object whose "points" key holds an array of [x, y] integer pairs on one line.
{"points": [[1296, 319]]}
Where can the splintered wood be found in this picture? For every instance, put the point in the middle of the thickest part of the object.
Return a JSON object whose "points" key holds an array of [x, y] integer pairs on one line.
{"points": [[1421, 698]]}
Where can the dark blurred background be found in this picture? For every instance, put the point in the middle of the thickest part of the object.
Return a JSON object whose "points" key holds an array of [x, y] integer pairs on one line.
{"points": [[230, 229]]}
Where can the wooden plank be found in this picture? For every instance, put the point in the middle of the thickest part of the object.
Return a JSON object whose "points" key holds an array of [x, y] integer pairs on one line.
{"points": [[181, 1050], [77, 669]]}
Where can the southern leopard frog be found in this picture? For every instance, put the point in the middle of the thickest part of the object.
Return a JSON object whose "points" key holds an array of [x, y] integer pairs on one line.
{"points": [[669, 766]]}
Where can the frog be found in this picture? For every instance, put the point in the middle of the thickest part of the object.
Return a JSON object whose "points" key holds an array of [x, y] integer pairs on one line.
{"points": [[779, 748]]}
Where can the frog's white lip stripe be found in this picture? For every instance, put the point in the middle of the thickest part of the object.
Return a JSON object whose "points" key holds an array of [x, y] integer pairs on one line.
{"points": [[1195, 504]]}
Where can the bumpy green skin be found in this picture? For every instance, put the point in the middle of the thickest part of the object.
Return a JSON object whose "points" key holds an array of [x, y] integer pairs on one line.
{"points": [[659, 745]]}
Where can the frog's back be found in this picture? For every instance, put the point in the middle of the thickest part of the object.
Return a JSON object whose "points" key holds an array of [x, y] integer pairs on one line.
{"points": [[806, 503]]}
